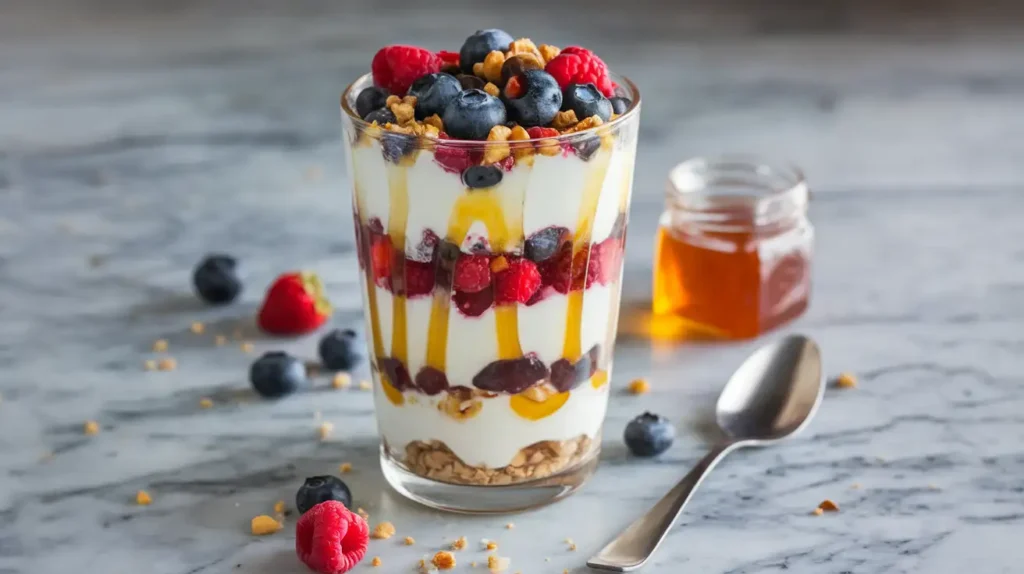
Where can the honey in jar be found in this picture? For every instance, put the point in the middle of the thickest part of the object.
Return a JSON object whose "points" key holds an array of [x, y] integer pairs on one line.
{"points": [[733, 252]]}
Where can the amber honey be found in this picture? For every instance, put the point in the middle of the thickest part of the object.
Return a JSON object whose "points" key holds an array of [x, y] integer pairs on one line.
{"points": [[733, 250]]}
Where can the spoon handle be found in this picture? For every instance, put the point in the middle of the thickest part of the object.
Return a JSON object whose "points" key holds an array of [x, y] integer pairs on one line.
{"points": [[640, 539]]}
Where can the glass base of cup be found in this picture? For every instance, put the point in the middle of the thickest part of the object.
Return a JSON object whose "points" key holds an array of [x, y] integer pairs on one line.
{"points": [[471, 499]]}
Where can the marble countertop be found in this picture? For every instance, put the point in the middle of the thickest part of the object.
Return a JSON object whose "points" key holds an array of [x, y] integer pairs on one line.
{"points": [[135, 137]]}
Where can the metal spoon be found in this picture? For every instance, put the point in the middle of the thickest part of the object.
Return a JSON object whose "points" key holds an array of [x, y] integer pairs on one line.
{"points": [[772, 396]]}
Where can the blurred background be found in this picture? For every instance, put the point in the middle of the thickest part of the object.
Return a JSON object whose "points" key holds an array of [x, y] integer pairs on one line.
{"points": [[864, 94]]}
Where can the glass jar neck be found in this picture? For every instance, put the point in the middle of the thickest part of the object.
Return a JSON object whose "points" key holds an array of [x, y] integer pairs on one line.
{"points": [[735, 194]]}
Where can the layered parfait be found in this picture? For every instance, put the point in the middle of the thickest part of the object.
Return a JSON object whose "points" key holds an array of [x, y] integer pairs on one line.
{"points": [[491, 195]]}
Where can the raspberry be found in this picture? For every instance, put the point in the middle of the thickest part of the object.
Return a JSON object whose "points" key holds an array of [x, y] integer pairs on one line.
{"points": [[575, 65], [538, 132], [395, 68], [518, 283], [554, 271], [419, 278], [330, 539], [473, 304], [565, 270], [454, 159], [380, 258], [472, 273], [449, 58]]}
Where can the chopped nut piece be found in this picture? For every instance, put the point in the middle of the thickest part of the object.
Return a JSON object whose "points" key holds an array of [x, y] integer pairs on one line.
{"points": [[364, 514], [499, 264], [383, 531], [497, 563], [325, 430], [549, 52], [564, 120], [818, 512], [205, 403], [220, 340], [392, 100], [828, 506], [459, 544], [404, 113], [491, 89], [142, 498], [499, 133], [855, 486], [197, 327], [409, 541], [524, 47], [365, 385], [639, 387], [478, 69], [444, 560], [149, 365], [509, 526], [91, 428], [167, 364], [846, 381], [160, 345], [375, 562], [572, 547], [933, 487], [491, 67], [246, 347], [345, 467], [264, 524], [434, 120], [491, 545], [586, 124], [279, 507], [341, 381]]}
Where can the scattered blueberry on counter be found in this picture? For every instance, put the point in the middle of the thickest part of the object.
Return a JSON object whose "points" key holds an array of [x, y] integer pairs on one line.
{"points": [[319, 489], [649, 435], [215, 279], [277, 374], [339, 350]]}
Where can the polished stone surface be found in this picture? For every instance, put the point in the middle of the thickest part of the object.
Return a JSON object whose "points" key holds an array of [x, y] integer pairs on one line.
{"points": [[135, 137]]}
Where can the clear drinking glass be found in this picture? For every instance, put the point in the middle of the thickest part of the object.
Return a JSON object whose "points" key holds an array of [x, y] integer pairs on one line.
{"points": [[491, 312]]}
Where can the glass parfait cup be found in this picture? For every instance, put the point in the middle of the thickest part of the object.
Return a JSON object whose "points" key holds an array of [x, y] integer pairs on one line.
{"points": [[491, 277]]}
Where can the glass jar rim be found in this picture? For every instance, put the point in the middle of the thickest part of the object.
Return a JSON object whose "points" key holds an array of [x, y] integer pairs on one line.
{"points": [[709, 189], [624, 83]]}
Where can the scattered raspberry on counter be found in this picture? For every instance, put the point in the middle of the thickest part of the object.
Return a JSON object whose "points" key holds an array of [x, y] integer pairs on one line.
{"points": [[262, 525], [329, 539], [142, 498], [294, 304]]}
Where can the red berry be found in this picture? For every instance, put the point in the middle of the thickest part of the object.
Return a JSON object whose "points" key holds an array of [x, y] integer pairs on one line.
{"points": [[472, 273], [294, 304], [330, 539], [454, 159], [555, 270], [381, 253], [448, 58], [538, 132], [589, 263], [575, 65], [518, 283], [419, 278], [473, 304], [395, 68]]}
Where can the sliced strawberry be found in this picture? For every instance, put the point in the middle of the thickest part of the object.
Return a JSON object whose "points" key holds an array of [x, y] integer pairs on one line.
{"points": [[294, 304]]}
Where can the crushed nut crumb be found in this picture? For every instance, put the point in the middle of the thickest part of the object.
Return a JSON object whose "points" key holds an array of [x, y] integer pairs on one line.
{"points": [[639, 386], [459, 544], [341, 381], [324, 430], [363, 513], [564, 120], [549, 52], [149, 365], [246, 347], [91, 428], [497, 563], [499, 264], [491, 545], [509, 526], [383, 531], [365, 385], [279, 507], [264, 524], [855, 486], [846, 381], [160, 345], [220, 340], [205, 403], [444, 560], [197, 327], [142, 498], [345, 467], [828, 506], [491, 89], [409, 541], [818, 512], [375, 562], [167, 364]]}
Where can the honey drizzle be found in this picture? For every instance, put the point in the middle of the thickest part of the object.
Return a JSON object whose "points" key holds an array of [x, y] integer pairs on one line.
{"points": [[571, 347], [371, 288], [398, 217]]}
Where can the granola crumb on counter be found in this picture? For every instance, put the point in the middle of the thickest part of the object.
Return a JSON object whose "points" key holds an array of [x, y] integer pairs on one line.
{"points": [[459, 544], [409, 541], [363, 513], [263, 524], [365, 385], [205, 403], [197, 327], [846, 380], [345, 467], [91, 427], [497, 563], [375, 562], [490, 545], [818, 512], [639, 386], [828, 506], [149, 364], [142, 498], [279, 507], [341, 381], [220, 340], [160, 345], [855, 486], [246, 347], [383, 531], [167, 364], [444, 560], [510, 526], [325, 430]]}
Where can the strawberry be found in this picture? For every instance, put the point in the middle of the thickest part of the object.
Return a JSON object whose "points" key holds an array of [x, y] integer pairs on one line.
{"points": [[294, 304], [395, 68], [576, 65]]}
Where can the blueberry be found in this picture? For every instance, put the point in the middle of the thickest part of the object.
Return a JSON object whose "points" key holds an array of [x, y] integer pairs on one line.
{"points": [[319, 489], [370, 99], [471, 82], [649, 435], [433, 92], [511, 375], [395, 373], [277, 374], [620, 104], [480, 176], [339, 350], [483, 42], [566, 376], [431, 381], [395, 146], [586, 100], [471, 114], [538, 101], [215, 279], [381, 116], [586, 147], [543, 244]]}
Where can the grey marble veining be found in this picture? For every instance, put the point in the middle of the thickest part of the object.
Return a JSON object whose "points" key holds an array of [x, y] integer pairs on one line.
{"points": [[135, 137]]}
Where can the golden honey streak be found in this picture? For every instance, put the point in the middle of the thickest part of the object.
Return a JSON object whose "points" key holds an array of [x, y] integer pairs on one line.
{"points": [[398, 217], [571, 347], [371, 291]]}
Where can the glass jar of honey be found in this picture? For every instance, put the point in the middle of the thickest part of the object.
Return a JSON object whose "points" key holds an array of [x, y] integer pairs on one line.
{"points": [[733, 250]]}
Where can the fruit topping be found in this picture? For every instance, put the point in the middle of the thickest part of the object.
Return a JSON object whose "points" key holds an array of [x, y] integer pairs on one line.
{"points": [[319, 489], [471, 114], [481, 176], [382, 116], [517, 65], [277, 374], [330, 539], [370, 99], [215, 279], [511, 375], [395, 146], [419, 278], [533, 98], [575, 65], [481, 43], [586, 101], [566, 376], [381, 253], [339, 350], [473, 304], [449, 61], [294, 304], [453, 158], [649, 435], [518, 282], [395, 68], [543, 244], [431, 381], [433, 92], [472, 273], [586, 147], [395, 372], [471, 82], [620, 104]]}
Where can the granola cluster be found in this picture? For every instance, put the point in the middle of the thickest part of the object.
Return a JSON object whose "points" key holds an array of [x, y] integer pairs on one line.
{"points": [[433, 459]]}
